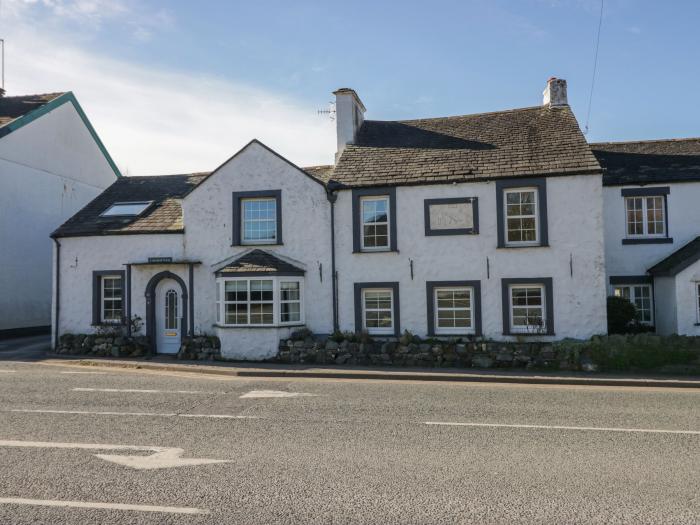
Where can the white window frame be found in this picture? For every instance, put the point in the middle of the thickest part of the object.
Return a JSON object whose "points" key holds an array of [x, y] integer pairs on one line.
{"points": [[455, 330], [645, 218], [383, 330], [276, 301], [528, 329], [103, 281], [535, 216], [370, 198], [633, 297], [697, 301], [243, 202], [281, 281]]}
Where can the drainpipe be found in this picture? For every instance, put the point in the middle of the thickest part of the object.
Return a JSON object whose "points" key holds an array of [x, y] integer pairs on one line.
{"points": [[332, 197], [58, 289]]}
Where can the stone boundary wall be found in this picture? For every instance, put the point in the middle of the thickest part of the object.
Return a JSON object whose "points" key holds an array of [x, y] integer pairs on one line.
{"points": [[204, 347], [477, 354]]}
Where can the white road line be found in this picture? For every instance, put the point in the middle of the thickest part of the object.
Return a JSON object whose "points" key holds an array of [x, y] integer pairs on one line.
{"points": [[555, 427], [273, 393], [143, 391], [91, 373], [8, 371], [99, 505], [152, 414]]}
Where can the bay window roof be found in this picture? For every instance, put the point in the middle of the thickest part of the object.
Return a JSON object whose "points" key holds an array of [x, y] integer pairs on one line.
{"points": [[258, 262]]}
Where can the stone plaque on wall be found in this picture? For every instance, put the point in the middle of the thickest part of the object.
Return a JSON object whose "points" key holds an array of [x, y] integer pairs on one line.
{"points": [[452, 216]]}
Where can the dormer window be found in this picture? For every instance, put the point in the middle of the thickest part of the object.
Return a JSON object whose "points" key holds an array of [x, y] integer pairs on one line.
{"points": [[126, 209]]}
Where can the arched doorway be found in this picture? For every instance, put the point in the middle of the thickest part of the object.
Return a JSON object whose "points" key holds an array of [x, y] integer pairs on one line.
{"points": [[166, 312]]}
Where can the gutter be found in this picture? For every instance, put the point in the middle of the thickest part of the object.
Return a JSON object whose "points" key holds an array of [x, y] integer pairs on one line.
{"points": [[332, 197], [58, 290]]}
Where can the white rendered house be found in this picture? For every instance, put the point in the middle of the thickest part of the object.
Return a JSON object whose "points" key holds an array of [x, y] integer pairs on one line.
{"points": [[52, 163], [652, 228], [487, 225]]}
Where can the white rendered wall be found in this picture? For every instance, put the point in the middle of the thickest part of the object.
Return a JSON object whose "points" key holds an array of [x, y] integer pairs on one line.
{"points": [[49, 169], [305, 236], [686, 300], [575, 230], [665, 307], [636, 259], [80, 256]]}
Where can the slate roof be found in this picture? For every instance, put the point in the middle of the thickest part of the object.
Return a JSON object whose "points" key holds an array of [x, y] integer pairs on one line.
{"points": [[678, 260], [649, 161], [260, 262], [515, 143], [321, 173], [12, 108], [163, 216]]}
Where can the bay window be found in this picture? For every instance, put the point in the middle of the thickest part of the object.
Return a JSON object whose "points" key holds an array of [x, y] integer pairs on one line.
{"points": [[274, 301]]}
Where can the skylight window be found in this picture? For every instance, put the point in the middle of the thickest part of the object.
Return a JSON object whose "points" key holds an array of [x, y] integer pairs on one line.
{"points": [[126, 209]]}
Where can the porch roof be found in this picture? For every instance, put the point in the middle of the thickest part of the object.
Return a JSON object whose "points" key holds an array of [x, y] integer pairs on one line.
{"points": [[678, 260]]}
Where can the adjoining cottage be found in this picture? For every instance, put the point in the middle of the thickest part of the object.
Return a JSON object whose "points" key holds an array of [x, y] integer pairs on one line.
{"points": [[652, 223], [52, 163], [487, 225]]}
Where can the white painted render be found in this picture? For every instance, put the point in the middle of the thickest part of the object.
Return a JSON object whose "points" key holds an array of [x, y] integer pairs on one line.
{"points": [[306, 238], [575, 235], [49, 169], [635, 259], [687, 301], [349, 115]]}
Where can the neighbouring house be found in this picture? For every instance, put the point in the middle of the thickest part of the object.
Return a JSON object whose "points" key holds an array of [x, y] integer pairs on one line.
{"points": [[52, 163], [487, 225], [652, 229]]}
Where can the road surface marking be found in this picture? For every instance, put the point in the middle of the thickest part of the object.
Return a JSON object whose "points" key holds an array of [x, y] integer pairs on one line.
{"points": [[161, 457], [273, 393], [8, 371], [91, 373], [152, 414], [554, 427], [98, 505], [144, 391]]}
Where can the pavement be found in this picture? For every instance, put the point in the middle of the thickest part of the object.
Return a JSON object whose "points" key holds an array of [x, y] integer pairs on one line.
{"points": [[123, 445]]}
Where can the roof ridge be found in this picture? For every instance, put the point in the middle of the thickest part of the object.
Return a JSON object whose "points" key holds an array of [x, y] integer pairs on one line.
{"points": [[646, 141], [54, 94], [194, 174], [512, 110]]}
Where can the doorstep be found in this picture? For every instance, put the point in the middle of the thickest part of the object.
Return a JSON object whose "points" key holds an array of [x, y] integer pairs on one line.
{"points": [[269, 370]]}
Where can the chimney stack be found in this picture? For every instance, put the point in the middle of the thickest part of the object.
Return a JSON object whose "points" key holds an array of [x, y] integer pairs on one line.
{"points": [[349, 115], [555, 93]]}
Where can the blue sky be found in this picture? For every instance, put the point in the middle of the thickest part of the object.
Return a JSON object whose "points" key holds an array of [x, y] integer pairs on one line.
{"points": [[266, 67]]}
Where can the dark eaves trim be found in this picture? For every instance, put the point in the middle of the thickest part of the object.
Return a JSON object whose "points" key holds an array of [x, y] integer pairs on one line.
{"points": [[116, 232], [50, 106]]}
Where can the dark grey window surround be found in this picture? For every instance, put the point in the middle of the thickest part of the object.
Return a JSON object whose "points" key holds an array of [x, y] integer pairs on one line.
{"points": [[541, 184], [476, 304], [549, 303], [97, 294], [427, 203], [237, 219], [357, 194], [631, 280], [358, 304], [649, 192]]}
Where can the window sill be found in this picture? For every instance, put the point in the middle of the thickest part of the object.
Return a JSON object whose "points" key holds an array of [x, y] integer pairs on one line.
{"points": [[264, 326], [109, 324], [452, 336], [529, 334], [649, 240], [521, 246], [256, 245], [439, 233], [374, 251]]}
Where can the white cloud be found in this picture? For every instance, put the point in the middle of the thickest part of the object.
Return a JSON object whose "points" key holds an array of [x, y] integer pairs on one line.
{"points": [[157, 121]]}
